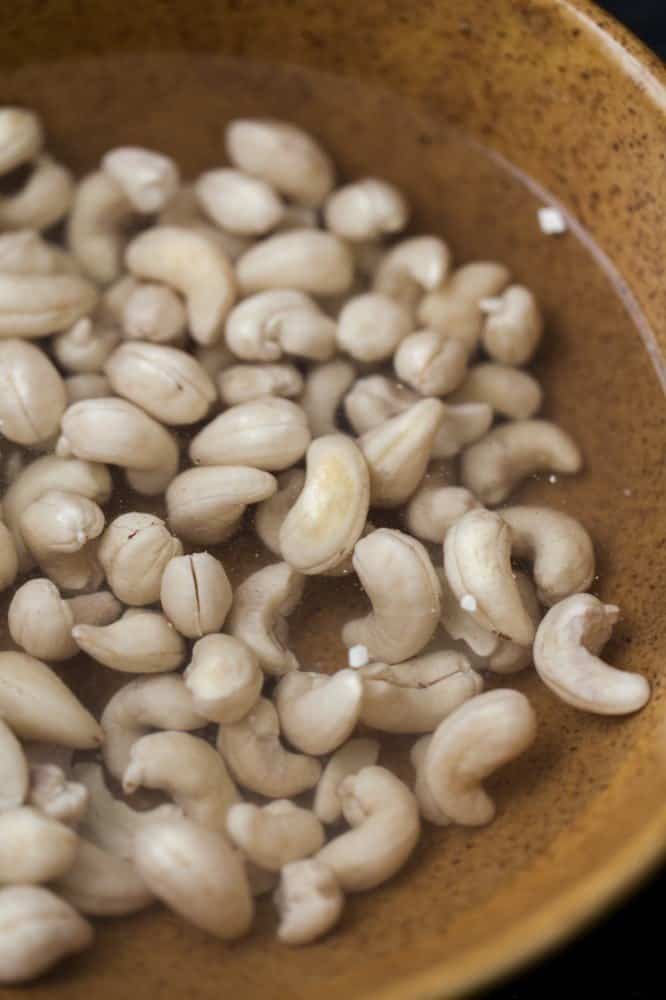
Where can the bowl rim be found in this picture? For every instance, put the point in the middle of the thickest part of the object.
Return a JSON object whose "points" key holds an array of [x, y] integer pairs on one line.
{"points": [[562, 917]]}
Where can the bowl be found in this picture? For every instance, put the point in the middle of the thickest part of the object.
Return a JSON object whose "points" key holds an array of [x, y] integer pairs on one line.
{"points": [[481, 112]]}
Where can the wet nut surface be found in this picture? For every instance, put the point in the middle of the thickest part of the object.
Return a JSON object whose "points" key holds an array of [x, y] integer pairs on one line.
{"points": [[269, 433]]}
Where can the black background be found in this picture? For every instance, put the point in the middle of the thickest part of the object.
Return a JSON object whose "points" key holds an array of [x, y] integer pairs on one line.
{"points": [[622, 956]]}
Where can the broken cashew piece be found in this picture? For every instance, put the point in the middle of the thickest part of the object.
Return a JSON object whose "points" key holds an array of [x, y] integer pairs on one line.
{"points": [[13, 770], [261, 605], [309, 901], [348, 759], [223, 678], [55, 796], [141, 642], [134, 551], [273, 835], [317, 712], [205, 505], [565, 656], [149, 180]]}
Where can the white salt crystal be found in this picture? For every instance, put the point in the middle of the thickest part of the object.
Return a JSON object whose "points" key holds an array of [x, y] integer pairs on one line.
{"points": [[358, 656], [551, 221], [468, 602]]}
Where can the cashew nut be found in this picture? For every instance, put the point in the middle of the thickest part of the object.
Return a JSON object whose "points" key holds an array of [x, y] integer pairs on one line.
{"points": [[40, 622], [33, 847], [185, 210], [273, 835], [431, 362], [223, 678], [101, 212], [244, 383], [32, 394], [309, 901], [239, 203], [366, 210], [24, 251], [462, 625], [205, 505], [42, 201], [195, 594], [317, 712], [462, 425], [371, 326], [85, 386], [85, 347], [348, 759], [101, 884], [480, 736], [214, 359], [427, 805], [496, 464], [433, 509], [149, 180], [281, 320], [154, 313], [454, 309], [262, 603], [511, 333], [308, 260], [511, 392], [13, 770], [325, 386], [141, 642], [257, 759], [21, 137], [412, 267], [509, 657], [269, 433], [375, 399], [8, 558], [35, 305], [60, 529], [396, 573], [271, 514], [135, 550], [565, 656], [384, 816]]}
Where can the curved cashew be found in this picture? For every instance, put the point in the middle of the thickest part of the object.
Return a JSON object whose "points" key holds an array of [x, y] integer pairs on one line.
{"points": [[101, 211], [40, 622], [462, 425], [270, 433], [396, 573], [21, 137], [188, 769], [462, 625], [414, 696], [33, 847], [271, 514], [185, 210], [262, 603], [35, 305], [509, 391], [273, 835], [36, 705], [149, 180], [129, 438], [385, 819], [477, 562], [239, 203], [193, 265], [280, 320], [480, 736], [257, 759], [13, 770], [427, 805], [55, 796], [78, 387], [141, 642], [348, 759], [412, 267], [512, 330], [37, 930], [509, 657], [245, 383], [43, 200], [205, 505], [366, 210], [101, 884], [309, 901], [100, 608], [85, 347], [496, 464], [135, 550], [24, 251], [59, 530], [195, 594], [8, 558], [317, 712], [371, 326], [32, 393], [565, 656], [325, 386], [223, 678], [148, 703], [308, 260], [398, 451], [557, 545], [375, 399], [326, 521], [433, 509], [154, 313], [197, 873], [282, 155], [455, 309], [430, 362], [166, 382]]}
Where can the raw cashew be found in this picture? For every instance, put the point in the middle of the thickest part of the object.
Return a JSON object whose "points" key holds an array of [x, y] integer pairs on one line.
{"points": [[101, 212], [148, 703], [414, 696], [433, 509], [100, 608], [511, 392], [350, 758], [257, 759], [509, 657], [195, 594], [223, 678], [239, 203], [34, 848], [13, 770], [271, 514], [462, 625], [36, 705], [325, 387], [166, 382], [430, 362], [84, 386], [317, 712], [60, 529], [35, 305], [21, 138], [56, 797], [273, 835], [149, 180], [309, 901], [191, 264], [283, 156], [328, 517], [141, 642], [85, 347], [384, 816], [308, 260], [480, 736], [269, 433], [398, 452], [396, 573], [214, 359], [565, 656], [37, 930], [371, 326], [512, 331], [24, 251], [40, 622], [462, 425], [375, 399], [188, 769], [32, 394], [281, 320], [411, 268], [558, 546], [197, 873], [155, 313], [366, 210], [8, 558], [427, 805], [262, 603], [185, 210], [205, 505], [114, 431], [135, 550], [100, 884], [477, 561], [43, 200], [496, 464], [455, 310], [244, 383]]}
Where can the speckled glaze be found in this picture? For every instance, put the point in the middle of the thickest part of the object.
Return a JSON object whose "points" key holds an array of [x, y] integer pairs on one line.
{"points": [[438, 96]]}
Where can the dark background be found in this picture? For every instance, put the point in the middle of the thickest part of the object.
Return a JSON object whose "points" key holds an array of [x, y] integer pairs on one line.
{"points": [[621, 956]]}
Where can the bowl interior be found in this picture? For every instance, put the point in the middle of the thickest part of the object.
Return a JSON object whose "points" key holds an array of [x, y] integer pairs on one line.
{"points": [[589, 788]]}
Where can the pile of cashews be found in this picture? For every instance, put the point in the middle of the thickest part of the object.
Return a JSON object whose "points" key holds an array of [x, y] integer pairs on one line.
{"points": [[260, 339]]}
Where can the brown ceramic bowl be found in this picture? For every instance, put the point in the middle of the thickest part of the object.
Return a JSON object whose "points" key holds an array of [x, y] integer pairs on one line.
{"points": [[475, 109]]}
